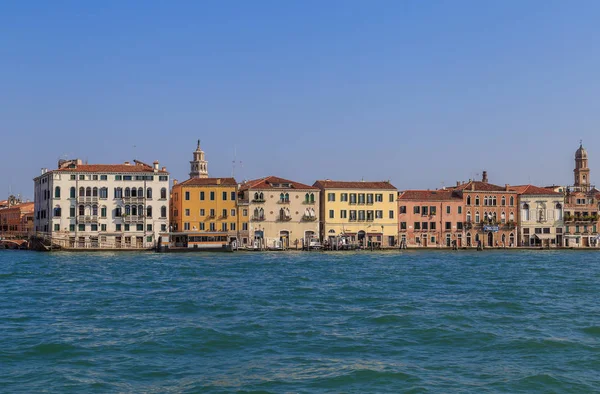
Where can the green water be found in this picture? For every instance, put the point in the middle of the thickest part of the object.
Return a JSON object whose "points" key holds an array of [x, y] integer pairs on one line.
{"points": [[415, 322]]}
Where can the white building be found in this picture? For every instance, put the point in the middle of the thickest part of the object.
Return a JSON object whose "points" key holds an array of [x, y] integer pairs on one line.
{"points": [[102, 206]]}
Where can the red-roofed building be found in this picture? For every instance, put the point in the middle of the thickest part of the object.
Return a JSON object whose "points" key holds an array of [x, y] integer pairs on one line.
{"points": [[490, 213], [102, 206], [16, 220], [282, 213], [431, 218]]}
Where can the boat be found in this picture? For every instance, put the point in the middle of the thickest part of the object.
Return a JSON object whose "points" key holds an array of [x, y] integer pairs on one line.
{"points": [[197, 241]]}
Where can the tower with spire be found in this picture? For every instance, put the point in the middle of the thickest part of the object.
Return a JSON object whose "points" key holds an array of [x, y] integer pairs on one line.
{"points": [[198, 166], [581, 171]]}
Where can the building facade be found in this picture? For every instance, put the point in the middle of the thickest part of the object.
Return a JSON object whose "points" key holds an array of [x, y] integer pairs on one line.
{"points": [[540, 221], [17, 220], [490, 213], [201, 205], [102, 206], [283, 214], [430, 218], [361, 213], [581, 206]]}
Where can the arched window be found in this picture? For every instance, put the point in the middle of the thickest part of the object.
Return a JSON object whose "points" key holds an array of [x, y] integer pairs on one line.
{"points": [[163, 212], [140, 192], [81, 210], [512, 201], [503, 217], [287, 197], [57, 192], [127, 192], [81, 192], [118, 212], [468, 200], [494, 201], [57, 211], [503, 239], [149, 211], [118, 192], [511, 238], [140, 210], [306, 197], [511, 217], [133, 192], [477, 201], [485, 200], [256, 195], [558, 212], [468, 216], [149, 193], [312, 212], [256, 211], [261, 213], [282, 214], [468, 239], [127, 210], [133, 209], [104, 192], [94, 210], [72, 193], [103, 211], [477, 217], [95, 192], [88, 192], [312, 197], [503, 201], [282, 197], [163, 194], [261, 196], [525, 212]]}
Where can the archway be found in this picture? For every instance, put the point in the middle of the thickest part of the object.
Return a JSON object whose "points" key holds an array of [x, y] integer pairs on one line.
{"points": [[490, 239], [284, 237], [361, 237]]}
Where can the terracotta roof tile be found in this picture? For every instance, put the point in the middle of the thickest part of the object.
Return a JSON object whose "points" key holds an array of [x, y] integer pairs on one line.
{"points": [[327, 184], [268, 182], [533, 190], [209, 182], [480, 187], [109, 168], [430, 195]]}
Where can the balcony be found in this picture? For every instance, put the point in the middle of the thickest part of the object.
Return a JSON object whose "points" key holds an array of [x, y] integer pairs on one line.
{"points": [[308, 202], [258, 200], [257, 218], [223, 216], [133, 219], [284, 218], [308, 218], [87, 219], [243, 202], [133, 199], [84, 199], [284, 201]]}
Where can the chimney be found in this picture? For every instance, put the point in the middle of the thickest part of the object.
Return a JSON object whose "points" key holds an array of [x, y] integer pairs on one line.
{"points": [[484, 178], [127, 163], [507, 186], [164, 169], [155, 165], [457, 183], [472, 187], [174, 182], [218, 181]]}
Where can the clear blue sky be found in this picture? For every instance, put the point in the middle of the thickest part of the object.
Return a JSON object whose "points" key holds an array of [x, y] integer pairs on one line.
{"points": [[420, 92]]}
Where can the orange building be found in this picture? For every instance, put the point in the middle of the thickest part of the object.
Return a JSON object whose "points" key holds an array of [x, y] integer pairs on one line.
{"points": [[17, 220]]}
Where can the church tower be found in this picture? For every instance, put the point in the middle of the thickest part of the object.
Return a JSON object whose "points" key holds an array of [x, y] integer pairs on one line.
{"points": [[582, 172], [198, 166]]}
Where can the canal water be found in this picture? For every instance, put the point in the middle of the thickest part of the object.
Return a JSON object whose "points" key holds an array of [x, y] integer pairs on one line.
{"points": [[415, 322]]}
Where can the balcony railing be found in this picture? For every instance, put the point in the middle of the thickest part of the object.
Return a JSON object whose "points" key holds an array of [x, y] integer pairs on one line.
{"points": [[308, 218], [133, 218], [87, 199], [258, 200], [308, 202], [284, 218], [257, 218], [284, 201], [133, 199], [87, 219]]}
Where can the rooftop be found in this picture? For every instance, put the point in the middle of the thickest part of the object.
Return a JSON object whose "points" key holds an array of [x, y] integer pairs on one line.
{"points": [[534, 190], [273, 182], [429, 195], [379, 185], [480, 187], [209, 182]]}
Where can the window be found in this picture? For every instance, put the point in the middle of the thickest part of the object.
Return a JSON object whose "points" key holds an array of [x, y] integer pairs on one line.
{"points": [[361, 198], [201, 196], [468, 200], [459, 225], [81, 210], [118, 177], [81, 177], [417, 225], [163, 193], [163, 178], [148, 227], [448, 209], [448, 225], [73, 177], [187, 212], [525, 211], [103, 177], [477, 217], [477, 201], [379, 198], [186, 226], [432, 226], [224, 195], [416, 209], [331, 215], [127, 177], [392, 198], [104, 193], [424, 225], [232, 212], [187, 196], [118, 227], [244, 212], [212, 213], [163, 227], [244, 226], [460, 210], [213, 227], [546, 230], [103, 226], [344, 197], [82, 227], [224, 213], [118, 192], [424, 210], [223, 226], [391, 214], [353, 198], [512, 201], [361, 215], [57, 192], [432, 210], [370, 215], [72, 193], [212, 196], [201, 226], [95, 210], [343, 214], [370, 198], [72, 212], [403, 209], [71, 227], [163, 212], [330, 196], [94, 227], [81, 192], [149, 211], [202, 211], [402, 225]]}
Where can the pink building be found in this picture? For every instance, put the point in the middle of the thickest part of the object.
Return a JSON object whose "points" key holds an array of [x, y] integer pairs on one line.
{"points": [[430, 218]]}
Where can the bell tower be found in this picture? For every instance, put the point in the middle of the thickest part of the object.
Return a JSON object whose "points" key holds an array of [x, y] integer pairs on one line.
{"points": [[198, 166], [581, 171]]}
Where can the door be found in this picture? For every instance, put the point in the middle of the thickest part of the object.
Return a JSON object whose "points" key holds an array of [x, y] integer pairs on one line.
{"points": [[490, 238]]}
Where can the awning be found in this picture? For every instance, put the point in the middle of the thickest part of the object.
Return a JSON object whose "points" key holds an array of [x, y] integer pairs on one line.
{"points": [[544, 236]]}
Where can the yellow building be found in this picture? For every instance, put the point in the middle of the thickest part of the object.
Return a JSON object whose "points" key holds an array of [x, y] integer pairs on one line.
{"points": [[205, 205], [358, 213]]}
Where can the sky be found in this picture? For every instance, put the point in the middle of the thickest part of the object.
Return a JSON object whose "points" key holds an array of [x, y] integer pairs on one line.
{"points": [[423, 93]]}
